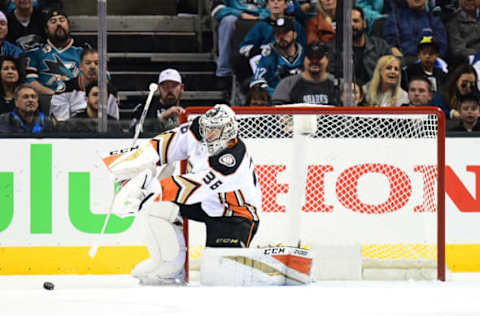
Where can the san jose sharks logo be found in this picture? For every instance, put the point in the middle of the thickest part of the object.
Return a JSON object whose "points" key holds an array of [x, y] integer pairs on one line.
{"points": [[59, 68]]}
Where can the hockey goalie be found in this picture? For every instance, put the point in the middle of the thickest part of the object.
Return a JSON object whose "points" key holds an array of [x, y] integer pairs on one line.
{"points": [[220, 190]]}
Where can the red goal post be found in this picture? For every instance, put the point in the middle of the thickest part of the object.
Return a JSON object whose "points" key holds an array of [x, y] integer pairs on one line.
{"points": [[342, 179]]}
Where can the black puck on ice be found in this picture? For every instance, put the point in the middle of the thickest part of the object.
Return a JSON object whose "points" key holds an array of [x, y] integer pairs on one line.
{"points": [[48, 286]]}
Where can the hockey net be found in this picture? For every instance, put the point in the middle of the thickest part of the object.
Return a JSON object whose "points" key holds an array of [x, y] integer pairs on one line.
{"points": [[361, 187]]}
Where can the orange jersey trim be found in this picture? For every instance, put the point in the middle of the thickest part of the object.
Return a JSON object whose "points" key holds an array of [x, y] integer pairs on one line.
{"points": [[235, 205], [178, 188], [250, 235], [170, 189]]}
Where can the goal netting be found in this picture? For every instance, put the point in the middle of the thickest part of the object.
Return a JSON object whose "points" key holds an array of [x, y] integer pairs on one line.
{"points": [[361, 187]]}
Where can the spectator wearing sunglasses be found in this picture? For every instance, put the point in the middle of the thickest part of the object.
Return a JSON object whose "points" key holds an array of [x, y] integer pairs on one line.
{"points": [[462, 81]]}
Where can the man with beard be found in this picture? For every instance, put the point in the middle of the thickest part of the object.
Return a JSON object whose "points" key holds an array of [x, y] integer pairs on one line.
{"points": [[280, 59], [71, 100], [367, 49], [314, 85], [165, 114], [25, 118], [261, 34], [56, 61]]}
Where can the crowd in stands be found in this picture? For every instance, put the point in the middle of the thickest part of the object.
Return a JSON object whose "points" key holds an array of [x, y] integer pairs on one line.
{"points": [[404, 53]]}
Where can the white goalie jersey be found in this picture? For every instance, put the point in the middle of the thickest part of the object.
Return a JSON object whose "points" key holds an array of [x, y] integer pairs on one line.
{"points": [[225, 184]]}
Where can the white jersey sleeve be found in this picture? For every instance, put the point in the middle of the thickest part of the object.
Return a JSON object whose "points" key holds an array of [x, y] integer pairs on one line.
{"points": [[178, 143]]}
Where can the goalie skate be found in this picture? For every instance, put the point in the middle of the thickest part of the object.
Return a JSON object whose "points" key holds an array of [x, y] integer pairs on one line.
{"points": [[177, 279]]}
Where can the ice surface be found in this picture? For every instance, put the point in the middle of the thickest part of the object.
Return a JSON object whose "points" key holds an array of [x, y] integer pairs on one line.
{"points": [[119, 295]]}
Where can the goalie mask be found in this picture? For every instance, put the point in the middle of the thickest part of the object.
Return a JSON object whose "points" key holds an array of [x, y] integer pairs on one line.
{"points": [[218, 126]]}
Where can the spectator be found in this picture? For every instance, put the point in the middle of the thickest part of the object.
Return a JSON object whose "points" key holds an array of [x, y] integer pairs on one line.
{"points": [[419, 91], [91, 98], [462, 81], [280, 59], [258, 37], [373, 10], [314, 85], [10, 5], [67, 102], [321, 28], [258, 96], [358, 97], [384, 87], [261, 34], [428, 63], [227, 12], [444, 8], [475, 62], [26, 27], [366, 49], [404, 27], [469, 111], [7, 48], [464, 31], [86, 120], [57, 60], [165, 114], [26, 117], [11, 77]]}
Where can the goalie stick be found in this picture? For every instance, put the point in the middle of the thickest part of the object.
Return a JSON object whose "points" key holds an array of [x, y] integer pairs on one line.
{"points": [[138, 128]]}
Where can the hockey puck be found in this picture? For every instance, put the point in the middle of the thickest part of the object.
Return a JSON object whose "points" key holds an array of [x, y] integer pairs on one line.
{"points": [[48, 286]]}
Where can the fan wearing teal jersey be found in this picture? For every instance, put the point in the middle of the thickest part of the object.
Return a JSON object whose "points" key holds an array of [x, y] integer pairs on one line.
{"points": [[56, 61]]}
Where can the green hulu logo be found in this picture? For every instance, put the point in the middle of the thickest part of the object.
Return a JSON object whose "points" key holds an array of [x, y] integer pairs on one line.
{"points": [[41, 196]]}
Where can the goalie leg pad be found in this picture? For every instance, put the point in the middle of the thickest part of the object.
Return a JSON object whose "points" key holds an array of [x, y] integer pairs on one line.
{"points": [[256, 266], [162, 237], [161, 209], [166, 245]]}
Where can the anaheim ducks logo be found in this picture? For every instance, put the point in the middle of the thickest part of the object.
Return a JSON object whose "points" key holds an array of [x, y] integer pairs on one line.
{"points": [[227, 160]]}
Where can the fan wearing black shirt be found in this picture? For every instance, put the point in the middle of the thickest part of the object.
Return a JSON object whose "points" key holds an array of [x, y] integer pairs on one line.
{"points": [[367, 50], [26, 26], [314, 85]]}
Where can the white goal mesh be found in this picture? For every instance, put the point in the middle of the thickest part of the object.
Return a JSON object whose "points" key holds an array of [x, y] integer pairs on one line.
{"points": [[358, 186]]}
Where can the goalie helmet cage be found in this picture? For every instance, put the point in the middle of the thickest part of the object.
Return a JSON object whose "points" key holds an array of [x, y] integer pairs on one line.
{"points": [[339, 178]]}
